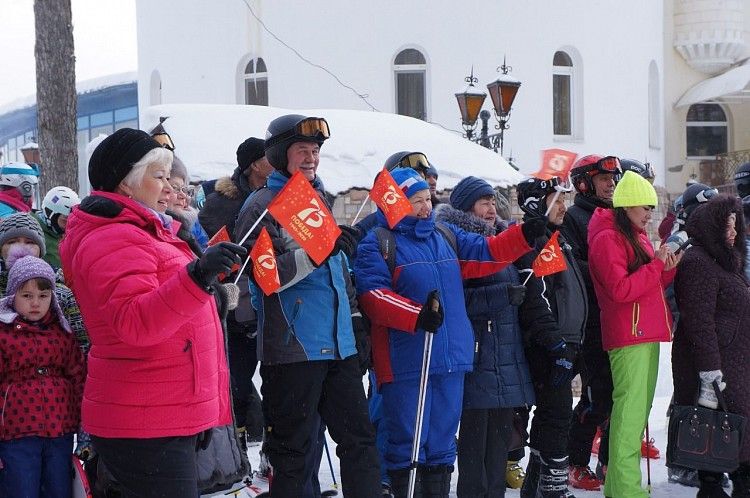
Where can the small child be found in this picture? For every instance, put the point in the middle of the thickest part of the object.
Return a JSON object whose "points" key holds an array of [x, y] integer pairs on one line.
{"points": [[42, 372]]}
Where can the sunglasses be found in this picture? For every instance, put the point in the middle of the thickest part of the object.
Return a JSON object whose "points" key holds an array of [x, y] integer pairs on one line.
{"points": [[414, 160], [163, 139]]}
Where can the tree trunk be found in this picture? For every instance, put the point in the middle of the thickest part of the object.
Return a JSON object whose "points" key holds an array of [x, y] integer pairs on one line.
{"points": [[56, 94]]}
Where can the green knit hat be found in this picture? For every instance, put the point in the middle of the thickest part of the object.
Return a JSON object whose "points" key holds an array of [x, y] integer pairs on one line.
{"points": [[634, 190]]}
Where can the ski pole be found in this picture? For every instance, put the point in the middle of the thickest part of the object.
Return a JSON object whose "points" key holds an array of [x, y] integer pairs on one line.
{"points": [[330, 464], [423, 378], [648, 460]]}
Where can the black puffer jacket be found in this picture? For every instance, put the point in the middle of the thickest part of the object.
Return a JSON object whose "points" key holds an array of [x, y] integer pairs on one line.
{"points": [[224, 203], [501, 377], [576, 229]]}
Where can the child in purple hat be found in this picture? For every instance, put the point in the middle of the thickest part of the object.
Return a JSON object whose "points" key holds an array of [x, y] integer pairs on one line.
{"points": [[41, 384]]}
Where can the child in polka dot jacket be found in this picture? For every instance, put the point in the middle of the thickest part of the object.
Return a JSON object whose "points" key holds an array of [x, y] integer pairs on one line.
{"points": [[41, 384]]}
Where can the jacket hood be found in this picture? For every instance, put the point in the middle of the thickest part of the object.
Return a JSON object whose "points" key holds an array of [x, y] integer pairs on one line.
{"points": [[707, 226], [467, 221], [603, 219], [226, 187]]}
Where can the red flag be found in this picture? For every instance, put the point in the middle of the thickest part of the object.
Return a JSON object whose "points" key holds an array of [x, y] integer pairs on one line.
{"points": [[299, 209], [389, 198], [222, 236], [555, 162], [550, 259], [265, 271]]}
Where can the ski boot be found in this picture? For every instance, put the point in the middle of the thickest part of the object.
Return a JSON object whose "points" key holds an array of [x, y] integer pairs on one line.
{"points": [[648, 450], [710, 485], [400, 483], [514, 475], [597, 441], [553, 478], [683, 475], [601, 471], [531, 481], [583, 478]]}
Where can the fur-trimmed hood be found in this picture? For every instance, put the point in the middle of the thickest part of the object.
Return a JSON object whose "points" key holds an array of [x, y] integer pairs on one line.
{"points": [[467, 221], [707, 226], [226, 187]]}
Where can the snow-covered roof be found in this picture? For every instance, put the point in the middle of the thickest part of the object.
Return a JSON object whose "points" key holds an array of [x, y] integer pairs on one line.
{"points": [[86, 86], [731, 86], [206, 139]]}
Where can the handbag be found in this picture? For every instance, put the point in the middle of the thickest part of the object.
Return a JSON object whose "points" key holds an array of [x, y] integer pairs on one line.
{"points": [[704, 439]]}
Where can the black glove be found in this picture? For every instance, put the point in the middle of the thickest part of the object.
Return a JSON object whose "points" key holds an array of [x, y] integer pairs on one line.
{"points": [[563, 358], [516, 294], [362, 342], [347, 241], [430, 319], [203, 439], [216, 260], [533, 228]]}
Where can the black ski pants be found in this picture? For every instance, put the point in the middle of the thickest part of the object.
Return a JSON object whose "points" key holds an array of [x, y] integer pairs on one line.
{"points": [[483, 440], [161, 467], [594, 407], [243, 360], [554, 406], [293, 396]]}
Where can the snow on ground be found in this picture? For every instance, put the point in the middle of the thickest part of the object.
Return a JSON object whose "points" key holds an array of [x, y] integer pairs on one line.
{"points": [[206, 138], [661, 488]]}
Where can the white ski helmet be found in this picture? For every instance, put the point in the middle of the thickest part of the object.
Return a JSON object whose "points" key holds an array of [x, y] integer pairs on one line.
{"points": [[20, 176], [59, 200]]}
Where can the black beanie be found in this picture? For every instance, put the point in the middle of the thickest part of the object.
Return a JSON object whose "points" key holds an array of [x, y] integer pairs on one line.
{"points": [[115, 156], [248, 152]]}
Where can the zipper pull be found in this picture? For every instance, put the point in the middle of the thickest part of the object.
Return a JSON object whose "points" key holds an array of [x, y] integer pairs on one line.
{"points": [[489, 325]]}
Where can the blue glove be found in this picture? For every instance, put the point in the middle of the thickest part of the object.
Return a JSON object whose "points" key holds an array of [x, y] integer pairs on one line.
{"points": [[563, 359]]}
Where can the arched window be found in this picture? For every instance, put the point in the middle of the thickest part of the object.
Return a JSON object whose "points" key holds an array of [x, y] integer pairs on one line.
{"points": [[562, 94], [410, 69], [707, 131], [155, 88], [256, 82], [654, 107]]}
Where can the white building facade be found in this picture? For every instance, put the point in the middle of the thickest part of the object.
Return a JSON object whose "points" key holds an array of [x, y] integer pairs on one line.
{"points": [[601, 76]]}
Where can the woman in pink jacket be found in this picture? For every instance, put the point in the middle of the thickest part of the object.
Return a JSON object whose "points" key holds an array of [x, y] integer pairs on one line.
{"points": [[157, 374], [629, 279]]}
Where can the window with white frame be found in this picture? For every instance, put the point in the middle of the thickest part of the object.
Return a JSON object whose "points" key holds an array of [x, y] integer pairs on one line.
{"points": [[410, 69], [707, 131], [562, 94], [256, 82]]}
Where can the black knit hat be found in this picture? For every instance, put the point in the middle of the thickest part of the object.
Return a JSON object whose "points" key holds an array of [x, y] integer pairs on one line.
{"points": [[115, 156], [249, 151]]}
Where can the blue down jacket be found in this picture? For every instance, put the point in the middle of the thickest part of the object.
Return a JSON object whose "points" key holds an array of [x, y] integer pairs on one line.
{"points": [[501, 377]]}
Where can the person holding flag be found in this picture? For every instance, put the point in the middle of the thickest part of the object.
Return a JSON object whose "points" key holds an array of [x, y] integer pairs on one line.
{"points": [[552, 317], [307, 326], [429, 260], [629, 278]]}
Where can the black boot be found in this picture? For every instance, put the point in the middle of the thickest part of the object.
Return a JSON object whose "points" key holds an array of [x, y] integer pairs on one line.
{"points": [[553, 478], [741, 481], [531, 482], [710, 486], [400, 483], [436, 480]]}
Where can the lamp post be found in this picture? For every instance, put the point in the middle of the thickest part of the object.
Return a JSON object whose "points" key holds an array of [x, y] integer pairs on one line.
{"points": [[502, 92]]}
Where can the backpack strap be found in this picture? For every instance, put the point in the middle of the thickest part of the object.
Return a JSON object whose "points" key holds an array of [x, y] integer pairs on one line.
{"points": [[387, 243]]}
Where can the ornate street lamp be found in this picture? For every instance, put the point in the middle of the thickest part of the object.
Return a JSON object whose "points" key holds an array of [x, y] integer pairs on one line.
{"points": [[470, 102], [502, 92]]}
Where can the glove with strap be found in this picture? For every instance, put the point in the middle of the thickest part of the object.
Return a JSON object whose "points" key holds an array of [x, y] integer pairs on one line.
{"points": [[563, 359], [216, 260], [533, 228], [431, 317], [707, 395]]}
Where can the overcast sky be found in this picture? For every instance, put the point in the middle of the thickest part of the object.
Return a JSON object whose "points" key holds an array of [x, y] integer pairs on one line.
{"points": [[104, 34]]}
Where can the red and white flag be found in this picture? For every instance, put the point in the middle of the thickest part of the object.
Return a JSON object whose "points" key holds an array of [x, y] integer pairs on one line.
{"points": [[390, 198], [550, 259], [265, 271], [555, 162], [299, 209], [222, 236]]}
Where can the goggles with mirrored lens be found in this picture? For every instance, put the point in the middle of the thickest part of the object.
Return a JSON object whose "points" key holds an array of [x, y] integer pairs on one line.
{"points": [[163, 139], [415, 160], [313, 128], [609, 164]]}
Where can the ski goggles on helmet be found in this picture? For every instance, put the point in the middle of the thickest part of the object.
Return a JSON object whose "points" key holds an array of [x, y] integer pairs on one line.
{"points": [[26, 189], [313, 128], [414, 160], [608, 164], [705, 195], [556, 184], [163, 139]]}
